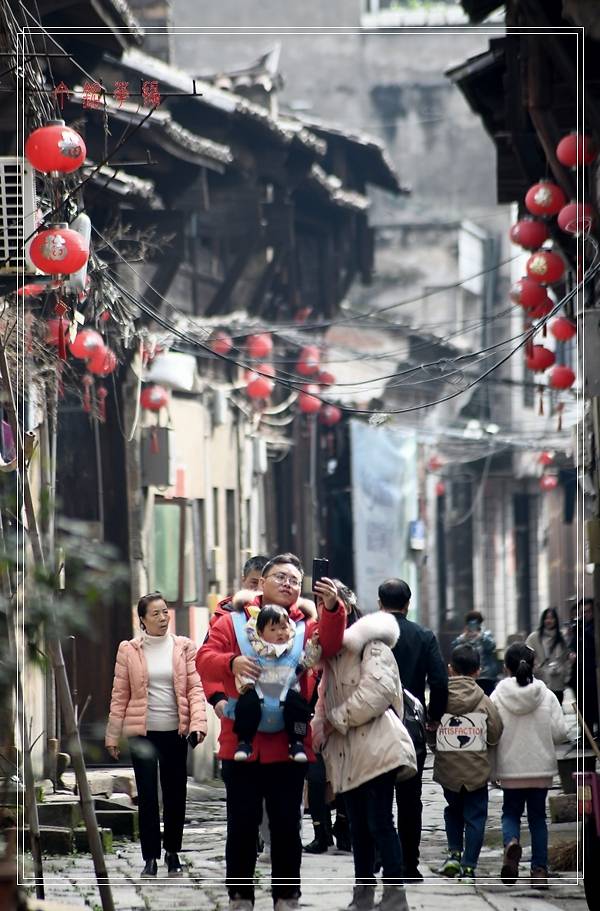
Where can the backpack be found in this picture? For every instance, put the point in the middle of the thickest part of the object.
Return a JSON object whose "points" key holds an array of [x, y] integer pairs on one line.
{"points": [[414, 722], [277, 675]]}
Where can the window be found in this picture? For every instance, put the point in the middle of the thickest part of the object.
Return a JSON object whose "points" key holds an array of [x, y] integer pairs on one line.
{"points": [[178, 565]]}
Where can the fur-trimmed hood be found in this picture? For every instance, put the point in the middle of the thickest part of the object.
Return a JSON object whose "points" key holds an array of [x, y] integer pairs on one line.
{"points": [[246, 597], [378, 625]]}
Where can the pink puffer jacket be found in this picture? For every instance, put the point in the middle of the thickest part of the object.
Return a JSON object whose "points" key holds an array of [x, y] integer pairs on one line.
{"points": [[129, 700]]}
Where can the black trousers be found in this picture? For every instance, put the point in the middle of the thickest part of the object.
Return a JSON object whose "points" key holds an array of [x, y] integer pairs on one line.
{"points": [[280, 785], [164, 752], [370, 813], [410, 814], [296, 716]]}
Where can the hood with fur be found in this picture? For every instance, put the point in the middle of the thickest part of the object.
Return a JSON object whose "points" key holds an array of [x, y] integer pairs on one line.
{"points": [[520, 700], [376, 626], [246, 596]]}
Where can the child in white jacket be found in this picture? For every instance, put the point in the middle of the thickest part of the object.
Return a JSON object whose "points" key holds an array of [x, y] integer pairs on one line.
{"points": [[526, 760]]}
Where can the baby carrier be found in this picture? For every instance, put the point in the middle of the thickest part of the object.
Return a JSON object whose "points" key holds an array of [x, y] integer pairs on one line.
{"points": [[276, 678]]}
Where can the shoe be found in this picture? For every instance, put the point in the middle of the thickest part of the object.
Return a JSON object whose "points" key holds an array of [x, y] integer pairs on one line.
{"points": [[319, 844], [363, 898], [452, 866], [510, 865], [297, 752], [172, 864], [539, 878], [243, 752], [341, 830], [150, 869], [240, 904], [393, 899], [467, 875], [413, 875], [287, 904]]}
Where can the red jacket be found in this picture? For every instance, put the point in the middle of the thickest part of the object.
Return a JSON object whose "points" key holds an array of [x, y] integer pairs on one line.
{"points": [[213, 663]]}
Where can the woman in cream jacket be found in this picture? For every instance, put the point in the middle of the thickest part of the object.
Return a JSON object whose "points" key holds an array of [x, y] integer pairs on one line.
{"points": [[358, 729]]}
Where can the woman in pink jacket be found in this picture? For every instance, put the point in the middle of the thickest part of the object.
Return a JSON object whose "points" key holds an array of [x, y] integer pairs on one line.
{"points": [[157, 702]]}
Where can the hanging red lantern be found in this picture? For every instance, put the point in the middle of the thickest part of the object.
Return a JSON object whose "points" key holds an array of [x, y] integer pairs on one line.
{"points": [[545, 198], [527, 293], [539, 359], [563, 329], [102, 362], [309, 361], [548, 482], [330, 415], [55, 149], [574, 149], [221, 342], [529, 233], [259, 346], [259, 387], [575, 218], [545, 267], [440, 489], [542, 309], [308, 403], [154, 397], [86, 344], [58, 250], [325, 378], [562, 377], [545, 458]]}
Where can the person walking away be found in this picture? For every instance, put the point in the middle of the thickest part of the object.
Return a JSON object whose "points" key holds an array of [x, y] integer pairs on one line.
{"points": [[526, 760], [268, 773], [470, 726], [420, 663], [157, 701], [479, 637], [552, 654], [358, 728], [251, 573]]}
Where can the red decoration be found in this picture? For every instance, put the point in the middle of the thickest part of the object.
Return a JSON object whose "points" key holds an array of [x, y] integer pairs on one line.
{"points": [[103, 362], [563, 329], [330, 415], [88, 382], [309, 361], [86, 344], [539, 359], [528, 294], [542, 310], [435, 463], [325, 378], [544, 198], [221, 343], [52, 331], [55, 149], [59, 250], [548, 482], [529, 233], [105, 316], [153, 398], [300, 316], [101, 394], [308, 403], [575, 218], [562, 377], [34, 289], [259, 346], [440, 489], [545, 267], [259, 387], [545, 458], [576, 149]]}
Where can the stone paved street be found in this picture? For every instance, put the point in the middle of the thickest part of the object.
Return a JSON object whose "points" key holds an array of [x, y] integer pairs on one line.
{"points": [[327, 879]]}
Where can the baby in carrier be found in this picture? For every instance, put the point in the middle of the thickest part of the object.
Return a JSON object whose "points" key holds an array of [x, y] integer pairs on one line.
{"points": [[273, 703]]}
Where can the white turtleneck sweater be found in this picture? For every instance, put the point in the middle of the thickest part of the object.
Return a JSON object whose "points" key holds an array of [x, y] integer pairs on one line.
{"points": [[162, 705]]}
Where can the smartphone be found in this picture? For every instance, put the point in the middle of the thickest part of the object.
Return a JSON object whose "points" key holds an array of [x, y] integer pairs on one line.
{"points": [[192, 739], [320, 568]]}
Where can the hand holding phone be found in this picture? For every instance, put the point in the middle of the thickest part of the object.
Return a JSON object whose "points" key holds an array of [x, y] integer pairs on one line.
{"points": [[320, 569]]}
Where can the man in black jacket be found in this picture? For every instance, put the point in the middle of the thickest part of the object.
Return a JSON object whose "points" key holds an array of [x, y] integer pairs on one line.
{"points": [[419, 661]]}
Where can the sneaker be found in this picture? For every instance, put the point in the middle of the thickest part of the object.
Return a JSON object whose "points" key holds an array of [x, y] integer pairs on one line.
{"points": [[243, 752], [539, 878], [510, 865], [150, 869], [467, 875], [297, 752], [452, 867], [173, 864]]}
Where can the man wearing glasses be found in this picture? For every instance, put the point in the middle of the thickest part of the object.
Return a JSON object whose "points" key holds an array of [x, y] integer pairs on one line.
{"points": [[269, 773]]}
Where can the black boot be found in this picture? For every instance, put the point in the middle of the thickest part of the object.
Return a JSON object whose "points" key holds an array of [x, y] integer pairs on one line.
{"points": [[363, 898], [150, 868], [319, 844], [341, 830], [173, 864]]}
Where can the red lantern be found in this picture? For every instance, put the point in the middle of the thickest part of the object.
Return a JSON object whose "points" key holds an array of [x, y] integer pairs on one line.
{"points": [[308, 403], [544, 198], [86, 344], [543, 309], [58, 250], [330, 415], [309, 360], [562, 377], [325, 378], [575, 218], [548, 482], [575, 149], [440, 489], [102, 362], [528, 294], [55, 149], [539, 359], [545, 267], [153, 398], [259, 346], [545, 458], [221, 343], [259, 387], [563, 329], [529, 233]]}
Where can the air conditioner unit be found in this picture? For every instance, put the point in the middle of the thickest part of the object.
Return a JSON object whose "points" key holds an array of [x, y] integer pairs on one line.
{"points": [[18, 214]]}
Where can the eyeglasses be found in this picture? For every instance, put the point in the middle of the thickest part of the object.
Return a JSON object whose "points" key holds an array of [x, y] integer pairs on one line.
{"points": [[280, 578]]}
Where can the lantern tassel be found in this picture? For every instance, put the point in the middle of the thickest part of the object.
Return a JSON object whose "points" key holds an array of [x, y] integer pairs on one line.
{"points": [[87, 397], [62, 344], [541, 403], [60, 386], [101, 394], [154, 444], [559, 410]]}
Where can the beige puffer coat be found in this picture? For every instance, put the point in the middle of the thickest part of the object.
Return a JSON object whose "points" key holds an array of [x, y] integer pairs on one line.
{"points": [[361, 696], [129, 700]]}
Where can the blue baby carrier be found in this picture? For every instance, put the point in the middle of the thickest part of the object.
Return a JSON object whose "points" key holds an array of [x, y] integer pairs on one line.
{"points": [[277, 676]]}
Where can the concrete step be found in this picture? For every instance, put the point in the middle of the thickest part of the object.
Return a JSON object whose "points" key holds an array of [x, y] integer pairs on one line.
{"points": [[65, 813], [123, 823], [80, 838]]}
